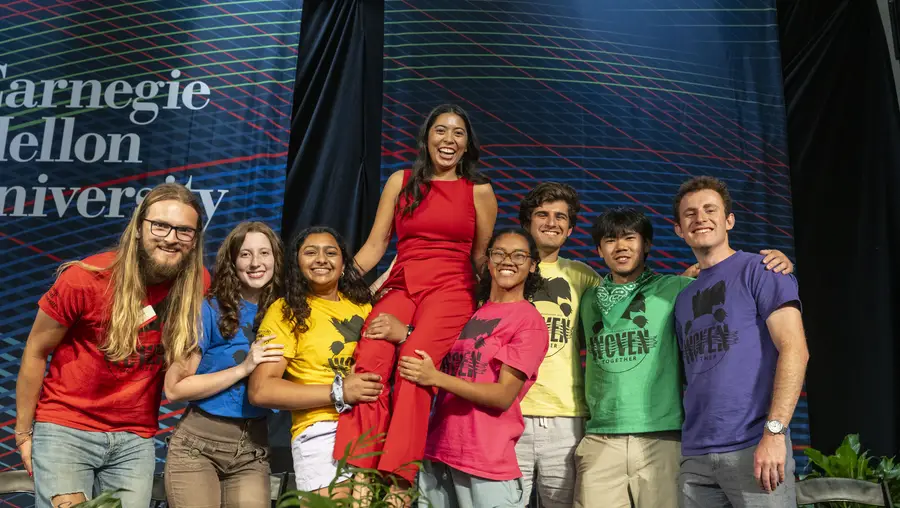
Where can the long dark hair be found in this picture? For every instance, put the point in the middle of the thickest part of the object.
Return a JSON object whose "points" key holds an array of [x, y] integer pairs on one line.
{"points": [[533, 282], [419, 182], [296, 287], [226, 286]]}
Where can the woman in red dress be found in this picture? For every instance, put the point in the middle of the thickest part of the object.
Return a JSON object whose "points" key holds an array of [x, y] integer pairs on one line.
{"points": [[443, 211]]}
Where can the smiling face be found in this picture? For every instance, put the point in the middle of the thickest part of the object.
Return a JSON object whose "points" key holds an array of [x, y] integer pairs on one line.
{"points": [[321, 263], [624, 255], [164, 253], [509, 262], [447, 140], [255, 262], [550, 226], [702, 221]]}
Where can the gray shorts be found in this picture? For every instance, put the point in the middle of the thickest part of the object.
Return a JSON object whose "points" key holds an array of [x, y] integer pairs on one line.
{"points": [[441, 486]]}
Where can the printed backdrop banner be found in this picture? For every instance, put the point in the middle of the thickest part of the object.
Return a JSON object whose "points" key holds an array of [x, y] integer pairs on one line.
{"points": [[624, 100], [99, 101]]}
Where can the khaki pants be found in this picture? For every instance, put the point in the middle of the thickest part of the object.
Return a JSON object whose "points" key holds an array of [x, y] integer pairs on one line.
{"points": [[621, 471], [218, 462]]}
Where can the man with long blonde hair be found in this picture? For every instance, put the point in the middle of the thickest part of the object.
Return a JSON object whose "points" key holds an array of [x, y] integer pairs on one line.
{"points": [[112, 322]]}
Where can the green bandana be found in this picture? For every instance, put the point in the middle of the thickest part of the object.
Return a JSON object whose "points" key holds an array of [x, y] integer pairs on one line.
{"points": [[609, 293]]}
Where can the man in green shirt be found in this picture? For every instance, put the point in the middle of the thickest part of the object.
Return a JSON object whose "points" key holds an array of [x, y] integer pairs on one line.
{"points": [[631, 452]]}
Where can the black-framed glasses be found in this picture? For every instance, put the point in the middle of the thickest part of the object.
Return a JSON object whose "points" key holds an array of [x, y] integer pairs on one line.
{"points": [[517, 257], [162, 230]]}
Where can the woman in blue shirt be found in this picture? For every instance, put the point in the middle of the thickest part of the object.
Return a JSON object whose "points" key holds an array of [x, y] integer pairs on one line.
{"points": [[218, 453]]}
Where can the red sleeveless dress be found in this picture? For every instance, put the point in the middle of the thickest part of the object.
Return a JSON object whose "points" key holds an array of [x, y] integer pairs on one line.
{"points": [[432, 287], [434, 244]]}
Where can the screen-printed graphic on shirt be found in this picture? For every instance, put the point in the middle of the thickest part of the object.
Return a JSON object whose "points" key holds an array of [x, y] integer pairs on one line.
{"points": [[557, 292], [711, 343], [349, 330], [468, 364], [625, 348]]}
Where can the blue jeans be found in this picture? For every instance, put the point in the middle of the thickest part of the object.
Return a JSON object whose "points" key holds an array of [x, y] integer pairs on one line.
{"points": [[71, 461]]}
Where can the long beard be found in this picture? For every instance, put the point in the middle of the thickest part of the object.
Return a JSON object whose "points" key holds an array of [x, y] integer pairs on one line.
{"points": [[156, 273]]}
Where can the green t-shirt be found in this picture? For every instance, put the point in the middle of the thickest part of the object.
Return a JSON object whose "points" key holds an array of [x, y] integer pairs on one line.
{"points": [[633, 381]]}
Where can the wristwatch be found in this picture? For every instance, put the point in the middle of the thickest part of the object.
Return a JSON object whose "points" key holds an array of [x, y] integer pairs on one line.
{"points": [[409, 330], [775, 427], [337, 395]]}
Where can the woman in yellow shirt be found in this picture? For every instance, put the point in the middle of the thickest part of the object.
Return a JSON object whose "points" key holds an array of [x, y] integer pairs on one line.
{"points": [[318, 322]]}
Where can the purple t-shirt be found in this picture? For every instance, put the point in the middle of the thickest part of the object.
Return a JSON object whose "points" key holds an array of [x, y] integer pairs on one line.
{"points": [[729, 357]]}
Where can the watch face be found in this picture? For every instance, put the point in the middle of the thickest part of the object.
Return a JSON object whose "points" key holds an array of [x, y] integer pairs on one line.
{"points": [[774, 426]]}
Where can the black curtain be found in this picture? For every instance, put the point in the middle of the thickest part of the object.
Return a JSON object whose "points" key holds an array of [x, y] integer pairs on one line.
{"points": [[334, 158], [844, 148]]}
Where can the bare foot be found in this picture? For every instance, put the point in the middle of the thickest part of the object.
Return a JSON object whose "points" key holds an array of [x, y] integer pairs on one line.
{"points": [[399, 497]]}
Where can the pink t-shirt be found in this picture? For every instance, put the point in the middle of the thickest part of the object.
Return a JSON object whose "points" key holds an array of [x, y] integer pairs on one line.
{"points": [[477, 440]]}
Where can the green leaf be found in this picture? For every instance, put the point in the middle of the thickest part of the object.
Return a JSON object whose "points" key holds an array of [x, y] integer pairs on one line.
{"points": [[104, 500], [864, 468], [844, 460], [887, 470], [375, 487], [819, 460], [852, 440]]}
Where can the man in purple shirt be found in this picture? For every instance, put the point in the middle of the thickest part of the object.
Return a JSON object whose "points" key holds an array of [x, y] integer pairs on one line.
{"points": [[744, 352]]}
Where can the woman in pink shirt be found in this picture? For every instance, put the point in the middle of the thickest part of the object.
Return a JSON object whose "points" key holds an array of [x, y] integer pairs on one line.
{"points": [[470, 457]]}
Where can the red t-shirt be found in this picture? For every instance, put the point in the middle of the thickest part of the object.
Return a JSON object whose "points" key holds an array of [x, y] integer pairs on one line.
{"points": [[477, 440], [83, 390]]}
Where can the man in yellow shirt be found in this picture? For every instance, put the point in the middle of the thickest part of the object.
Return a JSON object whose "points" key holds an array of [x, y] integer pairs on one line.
{"points": [[554, 408]]}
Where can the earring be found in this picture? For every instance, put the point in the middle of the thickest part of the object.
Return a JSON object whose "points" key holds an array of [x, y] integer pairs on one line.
{"points": [[342, 273]]}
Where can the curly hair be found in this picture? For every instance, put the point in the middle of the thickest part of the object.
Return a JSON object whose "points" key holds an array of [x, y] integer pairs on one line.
{"points": [[419, 182], [226, 286], [533, 282], [548, 192], [297, 289]]}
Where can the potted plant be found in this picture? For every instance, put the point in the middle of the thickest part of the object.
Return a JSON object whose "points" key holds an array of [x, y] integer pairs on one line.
{"points": [[377, 491], [848, 462]]}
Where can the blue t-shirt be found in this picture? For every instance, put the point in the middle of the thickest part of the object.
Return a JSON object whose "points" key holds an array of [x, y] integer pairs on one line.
{"points": [[220, 354], [729, 357]]}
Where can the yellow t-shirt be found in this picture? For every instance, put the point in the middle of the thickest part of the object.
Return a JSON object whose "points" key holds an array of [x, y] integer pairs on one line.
{"points": [[314, 357], [559, 390]]}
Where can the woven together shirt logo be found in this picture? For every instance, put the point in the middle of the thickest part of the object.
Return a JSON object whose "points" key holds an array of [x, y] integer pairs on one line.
{"points": [[623, 350]]}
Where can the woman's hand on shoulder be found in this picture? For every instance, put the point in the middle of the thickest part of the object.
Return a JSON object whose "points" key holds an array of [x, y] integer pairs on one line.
{"points": [[261, 352]]}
